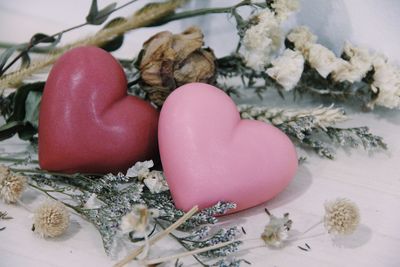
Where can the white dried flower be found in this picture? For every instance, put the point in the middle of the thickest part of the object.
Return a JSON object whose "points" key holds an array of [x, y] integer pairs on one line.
{"points": [[386, 83], [302, 38], [155, 182], [358, 64], [322, 59], [140, 169], [276, 231], [283, 8], [341, 216], [93, 202], [137, 220], [262, 40], [11, 185], [51, 219], [287, 69]]}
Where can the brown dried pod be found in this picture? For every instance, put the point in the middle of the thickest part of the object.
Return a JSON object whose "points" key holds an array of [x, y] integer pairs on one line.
{"points": [[171, 60]]}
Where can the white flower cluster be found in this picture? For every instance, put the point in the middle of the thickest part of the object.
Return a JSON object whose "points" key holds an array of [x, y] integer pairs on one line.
{"points": [[386, 83], [355, 66], [283, 8], [287, 69], [154, 180], [262, 40], [359, 64]]}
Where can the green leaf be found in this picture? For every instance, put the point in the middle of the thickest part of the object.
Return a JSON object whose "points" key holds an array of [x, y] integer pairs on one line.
{"points": [[5, 56], [117, 41], [19, 100], [27, 132], [42, 38], [32, 105], [9, 129], [96, 16], [26, 60]]}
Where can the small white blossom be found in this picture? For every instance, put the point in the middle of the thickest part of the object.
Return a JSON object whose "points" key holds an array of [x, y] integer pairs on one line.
{"points": [[51, 219], [140, 169], [262, 40], [322, 59], [386, 83], [283, 8], [302, 38], [155, 182], [93, 202], [358, 64], [137, 220], [287, 69], [276, 231], [341, 216]]}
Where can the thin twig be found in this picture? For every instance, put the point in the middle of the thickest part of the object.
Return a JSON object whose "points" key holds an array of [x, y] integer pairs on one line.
{"points": [[188, 253], [157, 237]]}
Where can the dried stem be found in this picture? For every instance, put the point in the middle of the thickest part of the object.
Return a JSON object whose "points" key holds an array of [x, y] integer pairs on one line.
{"points": [[188, 253], [159, 236], [144, 17]]}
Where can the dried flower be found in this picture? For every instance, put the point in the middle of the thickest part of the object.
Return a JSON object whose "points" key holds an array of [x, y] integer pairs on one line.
{"points": [[155, 181], [276, 231], [287, 69], [302, 38], [283, 8], [357, 64], [341, 216], [11, 185], [51, 219], [140, 169], [262, 40], [137, 220], [322, 59], [171, 60], [386, 83]]}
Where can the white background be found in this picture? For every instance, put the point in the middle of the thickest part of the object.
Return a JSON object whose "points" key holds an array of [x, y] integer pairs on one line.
{"points": [[372, 181]]}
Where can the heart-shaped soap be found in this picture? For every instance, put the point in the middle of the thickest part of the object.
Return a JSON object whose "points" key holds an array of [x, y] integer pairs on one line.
{"points": [[87, 122], [209, 154]]}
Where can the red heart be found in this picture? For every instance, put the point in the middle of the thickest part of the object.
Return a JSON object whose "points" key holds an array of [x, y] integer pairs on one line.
{"points": [[87, 121]]}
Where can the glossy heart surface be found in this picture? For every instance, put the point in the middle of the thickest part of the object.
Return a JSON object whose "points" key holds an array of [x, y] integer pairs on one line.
{"points": [[87, 122], [209, 154]]}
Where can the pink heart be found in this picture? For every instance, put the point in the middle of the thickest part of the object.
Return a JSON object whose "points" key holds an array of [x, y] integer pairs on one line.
{"points": [[209, 154], [87, 121]]}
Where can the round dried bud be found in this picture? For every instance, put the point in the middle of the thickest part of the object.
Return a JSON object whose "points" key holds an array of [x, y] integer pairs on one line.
{"points": [[11, 185], [51, 219], [170, 60], [341, 216]]}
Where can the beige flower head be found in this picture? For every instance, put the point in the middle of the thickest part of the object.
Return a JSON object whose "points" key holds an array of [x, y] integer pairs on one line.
{"points": [[11, 185], [276, 231], [341, 216], [137, 220], [51, 219]]}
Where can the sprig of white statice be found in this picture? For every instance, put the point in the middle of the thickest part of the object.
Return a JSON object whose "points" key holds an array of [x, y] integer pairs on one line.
{"points": [[261, 40], [283, 8], [323, 116], [357, 66], [323, 60], [287, 69], [386, 83], [301, 38]]}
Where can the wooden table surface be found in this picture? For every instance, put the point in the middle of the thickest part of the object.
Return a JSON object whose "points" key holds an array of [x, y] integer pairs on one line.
{"points": [[370, 180]]}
